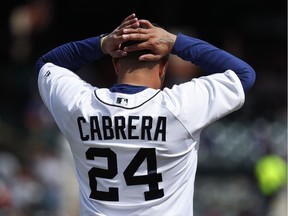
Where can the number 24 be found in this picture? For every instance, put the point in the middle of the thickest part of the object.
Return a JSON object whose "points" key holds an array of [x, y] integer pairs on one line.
{"points": [[152, 178]]}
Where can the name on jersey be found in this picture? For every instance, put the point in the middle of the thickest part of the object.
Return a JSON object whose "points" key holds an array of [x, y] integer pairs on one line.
{"points": [[119, 127]]}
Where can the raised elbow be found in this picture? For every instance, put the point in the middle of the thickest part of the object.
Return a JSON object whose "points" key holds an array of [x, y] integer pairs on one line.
{"points": [[247, 78]]}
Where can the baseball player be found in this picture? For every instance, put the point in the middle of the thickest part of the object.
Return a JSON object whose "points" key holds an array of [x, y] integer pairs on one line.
{"points": [[135, 144]]}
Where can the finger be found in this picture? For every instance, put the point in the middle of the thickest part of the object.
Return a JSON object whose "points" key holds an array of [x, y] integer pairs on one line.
{"points": [[146, 23], [149, 57], [129, 21], [137, 47], [118, 53], [135, 34], [134, 25], [135, 30], [118, 38], [131, 24], [131, 16]]}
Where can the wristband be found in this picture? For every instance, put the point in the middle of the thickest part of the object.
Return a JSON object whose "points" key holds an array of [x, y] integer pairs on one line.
{"points": [[101, 40]]}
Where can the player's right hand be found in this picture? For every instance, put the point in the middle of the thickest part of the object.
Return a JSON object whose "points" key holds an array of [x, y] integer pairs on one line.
{"points": [[159, 41]]}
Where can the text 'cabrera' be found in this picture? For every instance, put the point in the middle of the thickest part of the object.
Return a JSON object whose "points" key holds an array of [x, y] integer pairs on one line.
{"points": [[119, 127]]}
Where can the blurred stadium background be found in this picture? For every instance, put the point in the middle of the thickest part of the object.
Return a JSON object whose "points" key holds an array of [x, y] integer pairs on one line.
{"points": [[243, 158]]}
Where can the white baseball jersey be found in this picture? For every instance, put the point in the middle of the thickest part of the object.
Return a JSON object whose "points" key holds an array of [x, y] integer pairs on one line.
{"points": [[136, 154]]}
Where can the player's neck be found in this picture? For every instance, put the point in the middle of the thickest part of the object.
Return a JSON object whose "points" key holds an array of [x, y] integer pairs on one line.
{"points": [[140, 78]]}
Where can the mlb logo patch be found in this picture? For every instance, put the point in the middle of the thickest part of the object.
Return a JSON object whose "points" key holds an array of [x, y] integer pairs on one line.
{"points": [[122, 101]]}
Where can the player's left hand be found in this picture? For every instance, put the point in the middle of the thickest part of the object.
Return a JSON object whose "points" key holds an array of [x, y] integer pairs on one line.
{"points": [[111, 43]]}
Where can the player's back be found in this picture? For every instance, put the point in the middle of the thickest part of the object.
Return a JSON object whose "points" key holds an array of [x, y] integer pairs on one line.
{"points": [[133, 155], [136, 154]]}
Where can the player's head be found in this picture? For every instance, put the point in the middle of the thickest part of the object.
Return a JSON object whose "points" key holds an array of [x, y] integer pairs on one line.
{"points": [[130, 64], [132, 42]]}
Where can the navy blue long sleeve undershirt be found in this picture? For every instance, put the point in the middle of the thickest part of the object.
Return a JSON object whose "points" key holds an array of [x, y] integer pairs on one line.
{"points": [[210, 59], [73, 55]]}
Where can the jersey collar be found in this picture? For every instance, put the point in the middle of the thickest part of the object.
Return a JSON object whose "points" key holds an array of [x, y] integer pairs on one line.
{"points": [[127, 88]]}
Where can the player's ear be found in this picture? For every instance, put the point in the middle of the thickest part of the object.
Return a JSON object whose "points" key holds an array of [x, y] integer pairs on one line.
{"points": [[116, 65], [163, 67]]}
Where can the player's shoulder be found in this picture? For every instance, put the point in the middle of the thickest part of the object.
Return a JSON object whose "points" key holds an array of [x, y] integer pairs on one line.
{"points": [[50, 69]]}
